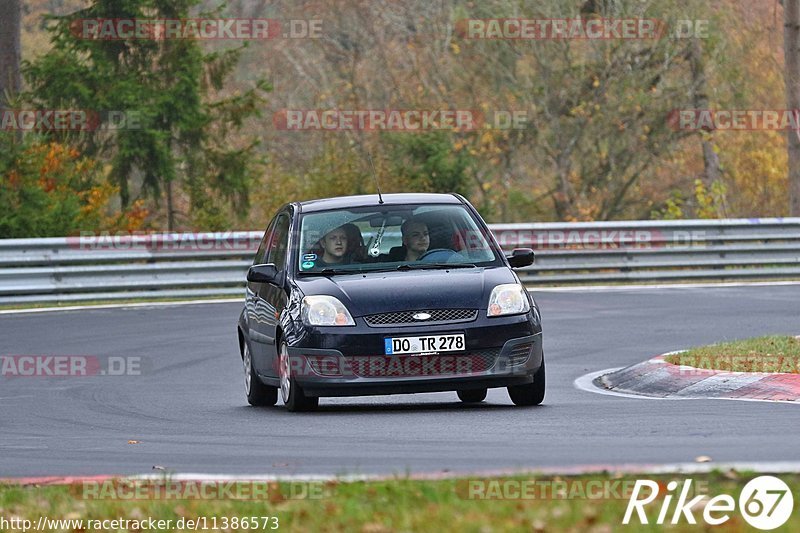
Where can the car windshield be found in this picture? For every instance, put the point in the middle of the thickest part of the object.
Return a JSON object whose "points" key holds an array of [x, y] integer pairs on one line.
{"points": [[392, 238]]}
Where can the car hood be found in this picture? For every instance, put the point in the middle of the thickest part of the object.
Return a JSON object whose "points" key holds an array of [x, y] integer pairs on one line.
{"points": [[386, 292]]}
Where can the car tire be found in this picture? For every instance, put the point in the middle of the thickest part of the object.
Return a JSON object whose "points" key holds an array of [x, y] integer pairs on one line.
{"points": [[531, 393], [257, 393], [293, 396], [472, 395]]}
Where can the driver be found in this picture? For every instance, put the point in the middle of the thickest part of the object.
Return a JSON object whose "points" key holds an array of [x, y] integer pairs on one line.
{"points": [[334, 247], [341, 245], [416, 238]]}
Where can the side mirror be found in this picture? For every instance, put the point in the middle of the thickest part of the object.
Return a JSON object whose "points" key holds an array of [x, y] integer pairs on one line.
{"points": [[521, 257], [267, 273]]}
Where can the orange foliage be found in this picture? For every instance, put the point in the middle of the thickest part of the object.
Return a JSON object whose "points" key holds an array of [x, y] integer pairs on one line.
{"points": [[63, 174]]}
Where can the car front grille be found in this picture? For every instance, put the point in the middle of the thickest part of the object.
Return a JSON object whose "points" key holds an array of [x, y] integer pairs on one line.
{"points": [[400, 366], [406, 318]]}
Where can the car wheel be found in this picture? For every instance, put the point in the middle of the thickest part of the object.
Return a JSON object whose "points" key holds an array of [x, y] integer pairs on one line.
{"points": [[257, 393], [532, 393], [293, 396], [472, 395]]}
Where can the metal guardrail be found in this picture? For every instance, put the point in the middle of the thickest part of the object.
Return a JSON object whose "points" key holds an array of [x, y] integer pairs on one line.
{"points": [[189, 265]]}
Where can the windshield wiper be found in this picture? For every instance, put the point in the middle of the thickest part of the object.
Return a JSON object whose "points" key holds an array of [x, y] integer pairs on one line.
{"points": [[429, 266], [329, 272]]}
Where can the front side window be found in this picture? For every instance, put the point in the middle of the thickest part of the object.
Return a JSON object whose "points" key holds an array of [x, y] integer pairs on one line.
{"points": [[392, 237], [280, 242], [261, 254]]}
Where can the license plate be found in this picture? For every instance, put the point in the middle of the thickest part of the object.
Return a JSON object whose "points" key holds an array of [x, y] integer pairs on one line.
{"points": [[426, 344]]}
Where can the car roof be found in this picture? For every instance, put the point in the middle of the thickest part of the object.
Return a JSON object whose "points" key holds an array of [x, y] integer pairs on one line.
{"points": [[367, 200]]}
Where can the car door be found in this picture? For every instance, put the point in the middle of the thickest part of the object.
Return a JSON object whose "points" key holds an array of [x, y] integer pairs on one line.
{"points": [[254, 312], [271, 298]]}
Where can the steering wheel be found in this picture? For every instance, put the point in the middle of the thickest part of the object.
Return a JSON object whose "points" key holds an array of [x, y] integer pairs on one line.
{"points": [[437, 255]]}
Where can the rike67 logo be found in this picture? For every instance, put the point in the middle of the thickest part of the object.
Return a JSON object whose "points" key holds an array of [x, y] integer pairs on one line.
{"points": [[765, 503]]}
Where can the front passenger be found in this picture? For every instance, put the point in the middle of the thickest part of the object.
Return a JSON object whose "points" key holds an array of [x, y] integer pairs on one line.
{"points": [[416, 239]]}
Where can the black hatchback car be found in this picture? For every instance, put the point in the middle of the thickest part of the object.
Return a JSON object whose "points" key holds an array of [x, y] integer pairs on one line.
{"points": [[396, 294]]}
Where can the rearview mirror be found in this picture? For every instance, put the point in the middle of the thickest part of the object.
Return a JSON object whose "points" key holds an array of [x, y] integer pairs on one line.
{"points": [[385, 220], [267, 273], [521, 257]]}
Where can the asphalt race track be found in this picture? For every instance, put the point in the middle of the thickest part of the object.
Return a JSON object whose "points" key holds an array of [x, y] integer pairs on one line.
{"points": [[189, 413]]}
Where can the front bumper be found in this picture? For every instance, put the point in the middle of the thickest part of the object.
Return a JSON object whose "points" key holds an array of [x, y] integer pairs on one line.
{"points": [[499, 353]]}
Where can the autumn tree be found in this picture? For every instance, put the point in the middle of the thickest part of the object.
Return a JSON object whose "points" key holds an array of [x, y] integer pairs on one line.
{"points": [[182, 139], [598, 143], [791, 46], [10, 81]]}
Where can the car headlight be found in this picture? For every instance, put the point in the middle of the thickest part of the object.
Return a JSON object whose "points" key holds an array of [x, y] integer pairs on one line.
{"points": [[508, 299], [325, 311]]}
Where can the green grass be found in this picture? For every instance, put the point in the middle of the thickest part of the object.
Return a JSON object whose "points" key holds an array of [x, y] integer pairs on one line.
{"points": [[400, 505], [761, 354]]}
